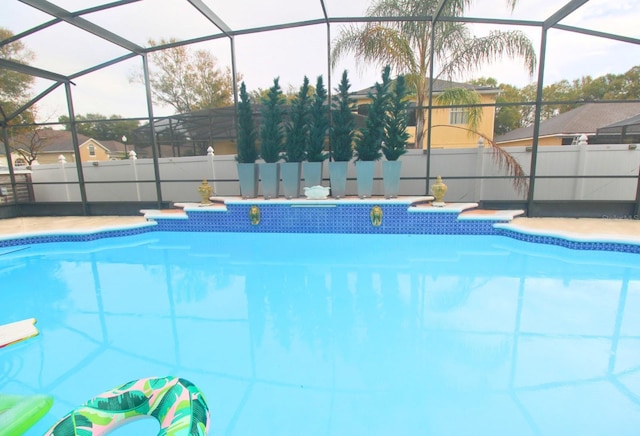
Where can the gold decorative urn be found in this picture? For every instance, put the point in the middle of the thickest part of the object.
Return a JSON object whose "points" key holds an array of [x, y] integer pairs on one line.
{"points": [[438, 189], [376, 216], [205, 190], [254, 215]]}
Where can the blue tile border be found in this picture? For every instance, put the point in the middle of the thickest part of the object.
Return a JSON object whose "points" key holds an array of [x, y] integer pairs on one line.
{"points": [[622, 247], [397, 218], [333, 217], [77, 236], [353, 217]]}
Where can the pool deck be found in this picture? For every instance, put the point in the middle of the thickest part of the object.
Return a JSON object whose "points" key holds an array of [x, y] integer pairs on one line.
{"points": [[580, 228]]}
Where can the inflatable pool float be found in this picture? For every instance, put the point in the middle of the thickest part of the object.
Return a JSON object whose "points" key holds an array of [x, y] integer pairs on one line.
{"points": [[177, 404], [18, 413], [17, 331]]}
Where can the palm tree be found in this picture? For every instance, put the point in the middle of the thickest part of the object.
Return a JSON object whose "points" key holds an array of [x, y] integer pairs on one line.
{"points": [[405, 45]]}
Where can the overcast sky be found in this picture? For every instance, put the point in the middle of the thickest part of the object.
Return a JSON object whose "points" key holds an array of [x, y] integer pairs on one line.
{"points": [[289, 54]]}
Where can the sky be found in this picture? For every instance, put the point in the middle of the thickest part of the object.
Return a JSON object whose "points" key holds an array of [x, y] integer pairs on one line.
{"points": [[289, 54]]}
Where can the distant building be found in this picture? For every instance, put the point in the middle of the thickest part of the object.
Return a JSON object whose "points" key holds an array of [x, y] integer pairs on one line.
{"points": [[626, 131], [50, 144], [192, 133], [448, 124], [564, 128]]}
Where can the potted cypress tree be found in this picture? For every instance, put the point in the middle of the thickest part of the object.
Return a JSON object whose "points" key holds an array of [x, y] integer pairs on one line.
{"points": [[396, 137], [341, 137], [247, 150], [271, 136], [295, 145], [318, 125], [368, 148]]}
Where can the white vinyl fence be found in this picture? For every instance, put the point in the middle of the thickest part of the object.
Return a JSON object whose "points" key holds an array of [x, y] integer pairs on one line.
{"points": [[181, 176]]}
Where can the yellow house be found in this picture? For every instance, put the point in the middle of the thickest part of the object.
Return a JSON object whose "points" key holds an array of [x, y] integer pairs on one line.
{"points": [[192, 133], [449, 127], [48, 145], [14, 157]]}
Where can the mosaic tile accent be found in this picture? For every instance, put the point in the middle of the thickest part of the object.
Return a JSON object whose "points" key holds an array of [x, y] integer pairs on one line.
{"points": [[327, 217], [567, 243], [345, 217], [77, 237]]}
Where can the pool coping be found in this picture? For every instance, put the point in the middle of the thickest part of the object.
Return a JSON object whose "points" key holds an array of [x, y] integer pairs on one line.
{"points": [[570, 236], [83, 235], [502, 223]]}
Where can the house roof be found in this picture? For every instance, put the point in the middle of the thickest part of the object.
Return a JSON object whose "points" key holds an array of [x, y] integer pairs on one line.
{"points": [[208, 124], [56, 141], [628, 125], [438, 86], [585, 119], [111, 145], [53, 141], [60, 141]]}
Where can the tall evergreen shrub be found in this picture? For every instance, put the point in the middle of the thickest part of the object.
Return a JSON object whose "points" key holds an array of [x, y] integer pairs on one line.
{"points": [[247, 135], [343, 122], [396, 135], [271, 132], [369, 143], [318, 124], [297, 129]]}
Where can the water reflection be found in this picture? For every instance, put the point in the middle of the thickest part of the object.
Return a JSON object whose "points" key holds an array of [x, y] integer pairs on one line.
{"points": [[392, 338]]}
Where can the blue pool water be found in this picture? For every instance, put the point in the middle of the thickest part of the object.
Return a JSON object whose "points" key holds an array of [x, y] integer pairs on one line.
{"points": [[333, 334]]}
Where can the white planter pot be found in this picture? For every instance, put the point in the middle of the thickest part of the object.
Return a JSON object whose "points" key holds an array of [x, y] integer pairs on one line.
{"points": [[391, 178], [312, 172], [291, 173], [364, 176], [270, 179], [248, 177], [338, 178]]}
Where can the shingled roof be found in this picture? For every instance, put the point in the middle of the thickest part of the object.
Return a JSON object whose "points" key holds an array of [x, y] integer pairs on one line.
{"points": [[629, 125], [438, 86], [586, 119], [59, 141]]}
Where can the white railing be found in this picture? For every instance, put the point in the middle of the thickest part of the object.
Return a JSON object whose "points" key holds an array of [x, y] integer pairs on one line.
{"points": [[181, 176]]}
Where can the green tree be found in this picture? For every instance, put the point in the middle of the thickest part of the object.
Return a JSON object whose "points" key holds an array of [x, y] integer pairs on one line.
{"points": [[559, 97], [343, 124], [610, 86], [247, 150], [630, 84], [509, 116], [98, 126], [396, 135], [271, 133], [554, 94], [564, 95], [593, 89], [297, 130], [15, 87], [289, 94], [188, 80], [319, 124], [405, 46], [369, 143]]}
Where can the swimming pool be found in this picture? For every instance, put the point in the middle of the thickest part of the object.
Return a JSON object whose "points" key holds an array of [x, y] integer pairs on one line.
{"points": [[334, 334]]}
